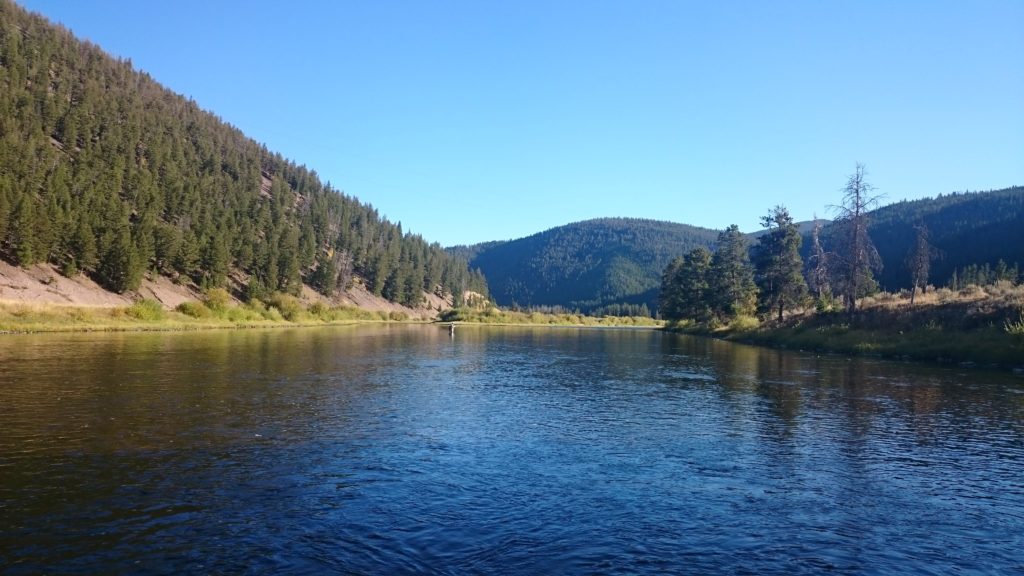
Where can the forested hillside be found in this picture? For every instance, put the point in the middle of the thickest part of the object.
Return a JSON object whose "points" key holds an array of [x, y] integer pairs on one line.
{"points": [[605, 265], [965, 229], [106, 172]]}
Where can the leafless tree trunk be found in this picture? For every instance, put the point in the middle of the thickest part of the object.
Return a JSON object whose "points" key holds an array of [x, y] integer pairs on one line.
{"points": [[856, 254], [919, 261], [819, 263]]}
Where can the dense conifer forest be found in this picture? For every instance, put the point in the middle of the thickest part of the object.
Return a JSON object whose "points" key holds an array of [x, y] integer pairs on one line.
{"points": [[965, 229], [103, 171]]}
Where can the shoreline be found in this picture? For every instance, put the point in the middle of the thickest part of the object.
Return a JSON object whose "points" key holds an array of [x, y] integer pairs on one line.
{"points": [[45, 318], [987, 349]]}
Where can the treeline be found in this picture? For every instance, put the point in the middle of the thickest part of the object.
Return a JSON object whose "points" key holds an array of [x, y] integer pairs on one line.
{"points": [[590, 266], [106, 172], [965, 229], [984, 275], [839, 265]]}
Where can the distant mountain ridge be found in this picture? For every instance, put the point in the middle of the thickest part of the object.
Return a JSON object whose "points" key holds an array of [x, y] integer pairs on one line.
{"points": [[597, 263], [584, 265], [965, 228]]}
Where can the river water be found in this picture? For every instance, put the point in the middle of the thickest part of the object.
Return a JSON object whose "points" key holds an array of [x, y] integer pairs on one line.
{"points": [[397, 449]]}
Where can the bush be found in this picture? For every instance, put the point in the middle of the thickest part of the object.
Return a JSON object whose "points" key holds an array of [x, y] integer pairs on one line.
{"points": [[1016, 329], [217, 299], [194, 309], [398, 316], [318, 309], [242, 314], [972, 290], [289, 306], [945, 295], [744, 323], [147, 310]]}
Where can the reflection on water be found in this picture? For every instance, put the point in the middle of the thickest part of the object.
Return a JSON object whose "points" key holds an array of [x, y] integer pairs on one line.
{"points": [[400, 450]]}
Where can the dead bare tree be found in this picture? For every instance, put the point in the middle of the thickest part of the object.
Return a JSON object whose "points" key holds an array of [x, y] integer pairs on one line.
{"points": [[817, 264], [919, 260], [855, 255]]}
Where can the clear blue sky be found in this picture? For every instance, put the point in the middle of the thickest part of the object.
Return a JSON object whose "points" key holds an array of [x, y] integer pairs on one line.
{"points": [[471, 121]]}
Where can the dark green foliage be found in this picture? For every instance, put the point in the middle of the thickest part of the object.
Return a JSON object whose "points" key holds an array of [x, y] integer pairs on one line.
{"points": [[623, 310], [120, 267], [778, 265], [686, 287], [23, 232], [90, 148], [733, 292], [703, 286], [586, 265], [964, 229], [984, 275]]}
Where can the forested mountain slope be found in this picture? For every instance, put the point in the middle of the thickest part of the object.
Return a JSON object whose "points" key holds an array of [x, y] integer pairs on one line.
{"points": [[104, 171], [586, 265], [591, 265], [968, 228]]}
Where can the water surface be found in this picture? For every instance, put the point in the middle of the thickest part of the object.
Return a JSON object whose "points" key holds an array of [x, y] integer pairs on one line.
{"points": [[395, 449]]}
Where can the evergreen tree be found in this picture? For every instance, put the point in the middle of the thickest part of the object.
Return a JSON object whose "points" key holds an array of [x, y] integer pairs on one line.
{"points": [[325, 277], [779, 267], [732, 277], [120, 268], [186, 260], [23, 232], [670, 297], [88, 146], [215, 261], [83, 246], [695, 283]]}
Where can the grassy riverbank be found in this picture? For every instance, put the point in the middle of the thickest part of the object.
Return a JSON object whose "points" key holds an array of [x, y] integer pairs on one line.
{"points": [[983, 326], [215, 312], [506, 317]]}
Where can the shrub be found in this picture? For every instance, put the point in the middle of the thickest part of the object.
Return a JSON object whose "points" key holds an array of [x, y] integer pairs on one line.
{"points": [[147, 310], [1016, 329], [744, 323], [194, 309], [318, 309], [972, 290], [217, 299], [242, 314], [289, 306], [398, 316], [945, 295]]}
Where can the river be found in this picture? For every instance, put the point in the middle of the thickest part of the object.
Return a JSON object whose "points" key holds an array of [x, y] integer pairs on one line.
{"points": [[396, 449]]}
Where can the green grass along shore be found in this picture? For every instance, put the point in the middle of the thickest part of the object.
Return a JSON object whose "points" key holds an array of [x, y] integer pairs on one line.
{"points": [[979, 326], [218, 311]]}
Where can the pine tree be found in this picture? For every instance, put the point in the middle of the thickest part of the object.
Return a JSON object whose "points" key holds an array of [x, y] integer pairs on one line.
{"points": [[669, 299], [779, 267], [732, 277], [23, 232], [120, 268], [83, 246], [694, 280]]}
